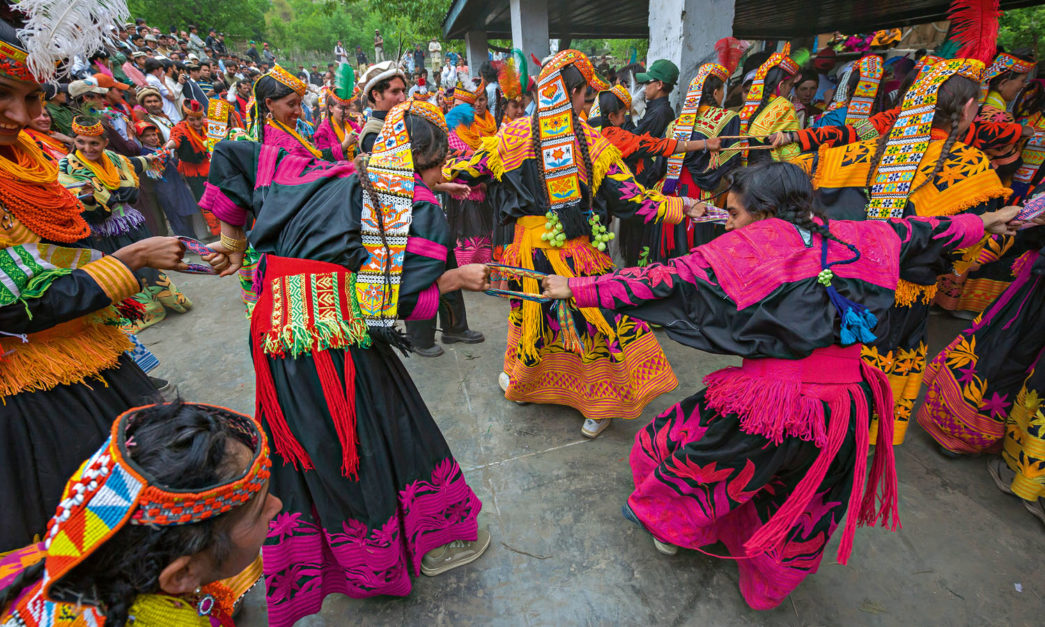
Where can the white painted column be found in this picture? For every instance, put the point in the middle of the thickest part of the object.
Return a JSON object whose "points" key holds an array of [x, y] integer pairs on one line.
{"points": [[476, 47], [530, 27], [685, 32]]}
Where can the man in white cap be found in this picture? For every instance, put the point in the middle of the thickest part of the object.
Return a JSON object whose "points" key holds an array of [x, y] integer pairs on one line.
{"points": [[384, 86]]}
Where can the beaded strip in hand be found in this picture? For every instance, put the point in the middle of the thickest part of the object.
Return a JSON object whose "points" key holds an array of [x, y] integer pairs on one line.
{"points": [[198, 247], [518, 273]]}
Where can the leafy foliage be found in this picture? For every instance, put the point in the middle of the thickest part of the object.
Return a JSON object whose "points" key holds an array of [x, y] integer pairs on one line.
{"points": [[1023, 29], [240, 19]]}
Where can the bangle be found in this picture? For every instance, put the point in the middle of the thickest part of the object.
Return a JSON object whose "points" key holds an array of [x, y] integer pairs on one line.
{"points": [[233, 245]]}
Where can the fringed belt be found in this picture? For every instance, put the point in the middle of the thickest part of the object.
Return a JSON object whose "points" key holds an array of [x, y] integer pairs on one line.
{"points": [[587, 260], [308, 308], [778, 398]]}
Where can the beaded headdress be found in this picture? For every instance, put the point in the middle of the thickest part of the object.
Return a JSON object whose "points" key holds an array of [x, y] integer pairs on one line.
{"points": [[909, 138], [555, 113], [754, 95], [88, 127], [110, 491], [281, 75], [469, 96], [620, 92], [218, 110], [344, 85], [688, 118], [1004, 62], [192, 109], [862, 100], [391, 170]]}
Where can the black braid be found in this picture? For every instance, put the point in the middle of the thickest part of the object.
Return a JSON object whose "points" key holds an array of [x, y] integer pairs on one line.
{"points": [[536, 139], [945, 152], [775, 76], [879, 150], [24, 579], [582, 139]]}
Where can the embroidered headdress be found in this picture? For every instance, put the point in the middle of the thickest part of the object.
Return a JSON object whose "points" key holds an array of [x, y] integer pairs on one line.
{"points": [[469, 96], [909, 138], [218, 110], [754, 95], [391, 170], [192, 109], [688, 118], [281, 75], [342, 90], [870, 70], [620, 92], [1004, 62], [555, 113], [88, 127], [110, 491]]}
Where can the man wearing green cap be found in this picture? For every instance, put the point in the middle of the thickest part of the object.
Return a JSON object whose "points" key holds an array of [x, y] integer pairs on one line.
{"points": [[659, 80]]}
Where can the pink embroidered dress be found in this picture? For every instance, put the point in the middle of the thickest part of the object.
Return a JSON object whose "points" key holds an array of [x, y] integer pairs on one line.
{"points": [[368, 483], [768, 457], [326, 138]]}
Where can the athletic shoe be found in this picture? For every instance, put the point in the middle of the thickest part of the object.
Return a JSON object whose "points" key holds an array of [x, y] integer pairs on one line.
{"points": [[662, 547], [948, 453], [468, 336], [457, 553], [592, 428], [1001, 473], [167, 390], [432, 351], [504, 380]]}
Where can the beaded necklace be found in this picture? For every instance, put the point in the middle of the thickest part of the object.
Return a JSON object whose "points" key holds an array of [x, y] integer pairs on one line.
{"points": [[304, 142], [31, 194], [105, 171]]}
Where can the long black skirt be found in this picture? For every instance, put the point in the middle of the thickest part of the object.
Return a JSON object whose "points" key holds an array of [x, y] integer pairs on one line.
{"points": [[45, 436], [359, 536]]}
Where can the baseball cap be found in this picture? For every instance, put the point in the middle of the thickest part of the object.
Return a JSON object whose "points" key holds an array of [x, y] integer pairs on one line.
{"points": [[104, 80], [138, 54], [87, 85], [661, 70]]}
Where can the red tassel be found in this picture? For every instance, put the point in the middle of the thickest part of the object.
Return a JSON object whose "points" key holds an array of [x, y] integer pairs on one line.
{"points": [[342, 410], [268, 408], [974, 25]]}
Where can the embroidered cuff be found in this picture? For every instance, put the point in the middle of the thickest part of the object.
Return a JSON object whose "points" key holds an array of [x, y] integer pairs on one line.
{"points": [[673, 210], [427, 304], [584, 291], [426, 248], [971, 227], [115, 279], [215, 201]]}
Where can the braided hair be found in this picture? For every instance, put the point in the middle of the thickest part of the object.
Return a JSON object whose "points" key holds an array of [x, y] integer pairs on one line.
{"points": [[573, 222], [774, 77], [954, 93], [428, 149], [266, 87], [782, 190], [183, 447], [707, 97]]}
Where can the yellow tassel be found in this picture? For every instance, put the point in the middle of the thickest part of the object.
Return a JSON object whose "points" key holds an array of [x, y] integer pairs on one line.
{"points": [[607, 156], [493, 157], [591, 314], [64, 355], [908, 293]]}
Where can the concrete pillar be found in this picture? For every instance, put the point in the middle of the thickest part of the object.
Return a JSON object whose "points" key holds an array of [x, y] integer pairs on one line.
{"points": [[530, 27], [476, 48], [685, 32]]}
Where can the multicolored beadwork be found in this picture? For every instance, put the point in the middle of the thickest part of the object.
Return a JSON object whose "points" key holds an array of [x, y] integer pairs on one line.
{"points": [[688, 119], [754, 95]]}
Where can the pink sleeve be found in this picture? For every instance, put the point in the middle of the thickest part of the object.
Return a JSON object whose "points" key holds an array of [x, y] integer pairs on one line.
{"points": [[215, 201], [584, 291], [427, 304]]}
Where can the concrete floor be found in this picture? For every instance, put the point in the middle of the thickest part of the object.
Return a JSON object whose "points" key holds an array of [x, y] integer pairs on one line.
{"points": [[561, 553]]}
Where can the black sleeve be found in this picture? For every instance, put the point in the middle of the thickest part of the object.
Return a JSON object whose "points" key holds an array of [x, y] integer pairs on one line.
{"points": [[69, 297]]}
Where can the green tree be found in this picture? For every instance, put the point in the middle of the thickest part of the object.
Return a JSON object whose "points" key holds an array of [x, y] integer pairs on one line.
{"points": [[237, 18], [1023, 29]]}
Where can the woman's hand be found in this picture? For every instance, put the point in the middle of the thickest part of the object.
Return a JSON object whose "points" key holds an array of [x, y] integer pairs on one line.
{"points": [[162, 253], [350, 140], [693, 208], [713, 144], [474, 277], [1001, 222], [557, 287], [459, 191], [778, 139]]}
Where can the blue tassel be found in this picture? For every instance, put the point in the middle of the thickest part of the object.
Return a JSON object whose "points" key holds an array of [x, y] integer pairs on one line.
{"points": [[856, 320]]}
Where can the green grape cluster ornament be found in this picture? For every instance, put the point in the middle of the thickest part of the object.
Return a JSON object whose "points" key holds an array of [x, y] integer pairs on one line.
{"points": [[824, 278], [553, 233], [599, 233]]}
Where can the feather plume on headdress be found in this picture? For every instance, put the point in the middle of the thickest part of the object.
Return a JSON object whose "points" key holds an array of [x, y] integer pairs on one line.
{"points": [[508, 79], [58, 30], [730, 50], [974, 25], [345, 82]]}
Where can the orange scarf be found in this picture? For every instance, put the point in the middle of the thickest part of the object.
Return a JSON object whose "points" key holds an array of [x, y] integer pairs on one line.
{"points": [[29, 190], [473, 134], [182, 129], [52, 146]]}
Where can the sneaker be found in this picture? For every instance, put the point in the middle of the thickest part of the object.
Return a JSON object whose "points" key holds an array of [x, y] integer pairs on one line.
{"points": [[1037, 508], [432, 351], [167, 390], [949, 454], [468, 336], [592, 428], [662, 547], [457, 553], [964, 315], [504, 381], [1001, 473]]}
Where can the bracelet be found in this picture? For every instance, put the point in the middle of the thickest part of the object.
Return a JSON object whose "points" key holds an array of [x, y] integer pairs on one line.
{"points": [[233, 245]]}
